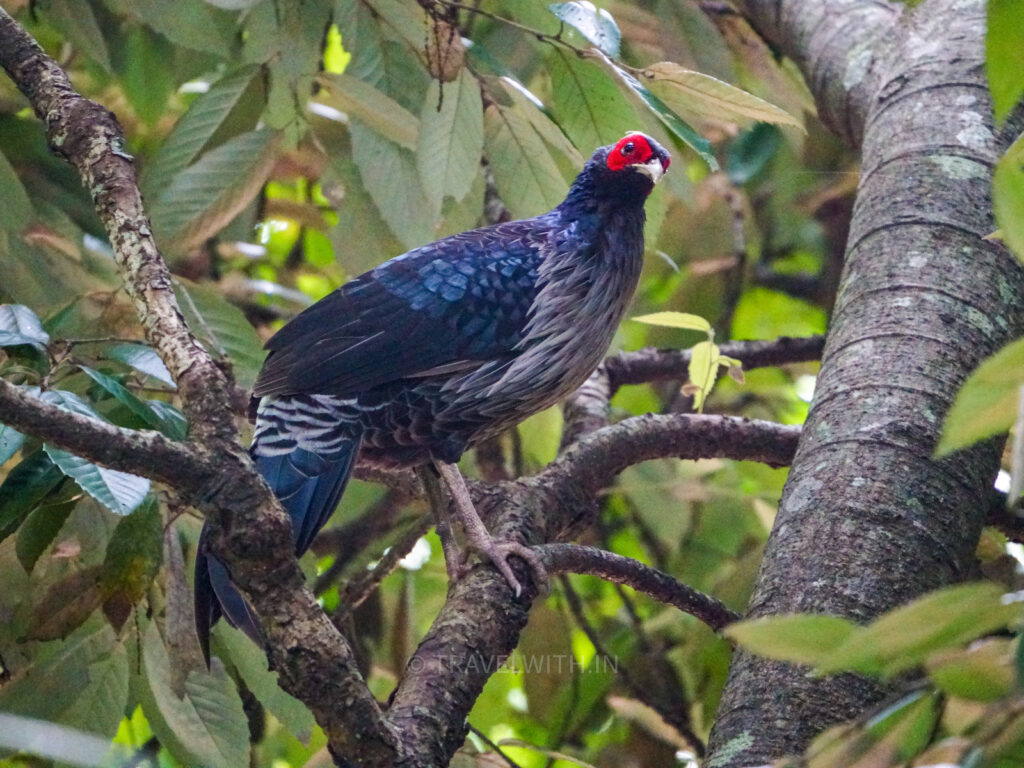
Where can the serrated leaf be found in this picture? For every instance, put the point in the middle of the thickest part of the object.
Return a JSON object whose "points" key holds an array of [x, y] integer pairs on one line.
{"points": [[374, 108], [390, 177], [222, 328], [676, 320], [451, 138], [10, 442], [65, 606], [684, 90], [1008, 197], [194, 130], [120, 492], [24, 488], [205, 727], [1004, 54], [587, 104], [987, 403], [251, 664], [801, 638], [536, 113], [95, 660], [76, 20], [670, 119], [19, 325], [595, 24], [524, 171], [207, 195], [16, 212], [43, 524], [902, 638], [142, 410], [142, 358]]}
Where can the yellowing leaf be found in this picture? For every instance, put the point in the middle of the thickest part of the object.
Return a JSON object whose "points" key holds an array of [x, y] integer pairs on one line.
{"points": [[676, 320], [984, 672], [688, 91], [375, 108], [703, 369]]}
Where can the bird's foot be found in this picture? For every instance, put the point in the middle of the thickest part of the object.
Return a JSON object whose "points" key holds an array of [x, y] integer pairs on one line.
{"points": [[498, 553]]}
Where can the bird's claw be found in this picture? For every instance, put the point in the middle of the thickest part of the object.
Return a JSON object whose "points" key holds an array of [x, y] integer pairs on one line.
{"points": [[498, 553]]}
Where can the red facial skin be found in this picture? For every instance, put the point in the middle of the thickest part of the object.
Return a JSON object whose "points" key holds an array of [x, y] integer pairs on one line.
{"points": [[631, 149]]}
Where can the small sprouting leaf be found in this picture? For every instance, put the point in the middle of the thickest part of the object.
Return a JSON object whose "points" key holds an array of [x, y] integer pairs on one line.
{"points": [[903, 638], [595, 24], [684, 90], [19, 325], [373, 107], [24, 488], [703, 370], [142, 358], [801, 638], [676, 320], [987, 403]]}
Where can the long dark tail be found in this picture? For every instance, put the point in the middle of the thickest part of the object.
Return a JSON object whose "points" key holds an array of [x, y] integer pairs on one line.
{"points": [[309, 486]]}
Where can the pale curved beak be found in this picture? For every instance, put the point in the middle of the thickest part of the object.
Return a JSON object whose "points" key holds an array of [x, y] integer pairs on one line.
{"points": [[652, 169]]}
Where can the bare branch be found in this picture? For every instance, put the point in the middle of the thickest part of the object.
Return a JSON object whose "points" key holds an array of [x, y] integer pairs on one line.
{"points": [[574, 558]]}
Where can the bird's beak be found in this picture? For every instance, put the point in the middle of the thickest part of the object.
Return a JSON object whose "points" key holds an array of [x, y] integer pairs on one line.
{"points": [[652, 169]]}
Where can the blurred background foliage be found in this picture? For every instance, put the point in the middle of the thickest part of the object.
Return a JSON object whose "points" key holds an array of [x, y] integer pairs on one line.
{"points": [[285, 146]]}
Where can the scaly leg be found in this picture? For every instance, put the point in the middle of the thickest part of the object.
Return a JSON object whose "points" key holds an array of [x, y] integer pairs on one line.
{"points": [[454, 560], [479, 540]]}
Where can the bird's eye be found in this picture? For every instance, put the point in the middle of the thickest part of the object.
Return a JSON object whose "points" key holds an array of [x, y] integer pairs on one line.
{"points": [[628, 148]]}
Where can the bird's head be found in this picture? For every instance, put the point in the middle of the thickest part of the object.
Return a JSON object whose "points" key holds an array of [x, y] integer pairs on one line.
{"points": [[627, 169]]}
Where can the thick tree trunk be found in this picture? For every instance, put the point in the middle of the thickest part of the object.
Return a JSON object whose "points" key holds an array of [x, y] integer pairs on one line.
{"points": [[868, 519]]}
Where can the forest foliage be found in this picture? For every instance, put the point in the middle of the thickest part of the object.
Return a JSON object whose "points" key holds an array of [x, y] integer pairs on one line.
{"points": [[284, 147]]}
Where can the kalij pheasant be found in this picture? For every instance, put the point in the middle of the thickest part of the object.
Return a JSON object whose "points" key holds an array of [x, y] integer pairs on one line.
{"points": [[437, 349]]}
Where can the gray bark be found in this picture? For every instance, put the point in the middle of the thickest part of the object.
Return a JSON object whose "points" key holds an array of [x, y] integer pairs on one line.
{"points": [[868, 519]]}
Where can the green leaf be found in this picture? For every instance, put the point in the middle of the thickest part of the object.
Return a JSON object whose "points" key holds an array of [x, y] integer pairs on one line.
{"points": [[146, 79], [586, 103], [390, 176], [801, 638], [670, 119], [186, 23], [596, 25], [524, 171], [987, 403], [749, 153], [76, 20], [43, 524], [207, 726], [16, 212], [10, 442], [222, 328], [194, 129], [982, 672], [1004, 54], [142, 358], [676, 320], [684, 90], [24, 488], [206, 196], [65, 606], [251, 664], [19, 325], [1008, 197], [133, 558], [374, 108], [703, 370], [451, 137], [81, 681], [171, 428], [903, 638]]}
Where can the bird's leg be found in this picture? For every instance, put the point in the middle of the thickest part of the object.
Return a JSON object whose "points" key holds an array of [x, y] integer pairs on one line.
{"points": [[454, 560], [480, 540]]}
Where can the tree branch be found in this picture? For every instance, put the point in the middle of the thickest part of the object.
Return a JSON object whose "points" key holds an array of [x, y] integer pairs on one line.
{"points": [[574, 558]]}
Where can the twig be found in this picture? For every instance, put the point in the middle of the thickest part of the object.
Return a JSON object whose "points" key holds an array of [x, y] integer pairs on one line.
{"points": [[497, 750]]}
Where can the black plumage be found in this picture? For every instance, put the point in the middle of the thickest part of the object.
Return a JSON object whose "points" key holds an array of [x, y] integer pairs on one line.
{"points": [[439, 348]]}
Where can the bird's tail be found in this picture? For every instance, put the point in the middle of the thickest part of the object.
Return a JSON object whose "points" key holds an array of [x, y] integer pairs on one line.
{"points": [[309, 486]]}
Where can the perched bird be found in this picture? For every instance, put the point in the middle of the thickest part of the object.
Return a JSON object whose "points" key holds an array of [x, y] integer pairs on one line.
{"points": [[440, 348]]}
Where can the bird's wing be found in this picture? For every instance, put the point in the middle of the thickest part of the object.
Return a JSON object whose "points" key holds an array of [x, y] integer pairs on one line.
{"points": [[447, 305]]}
